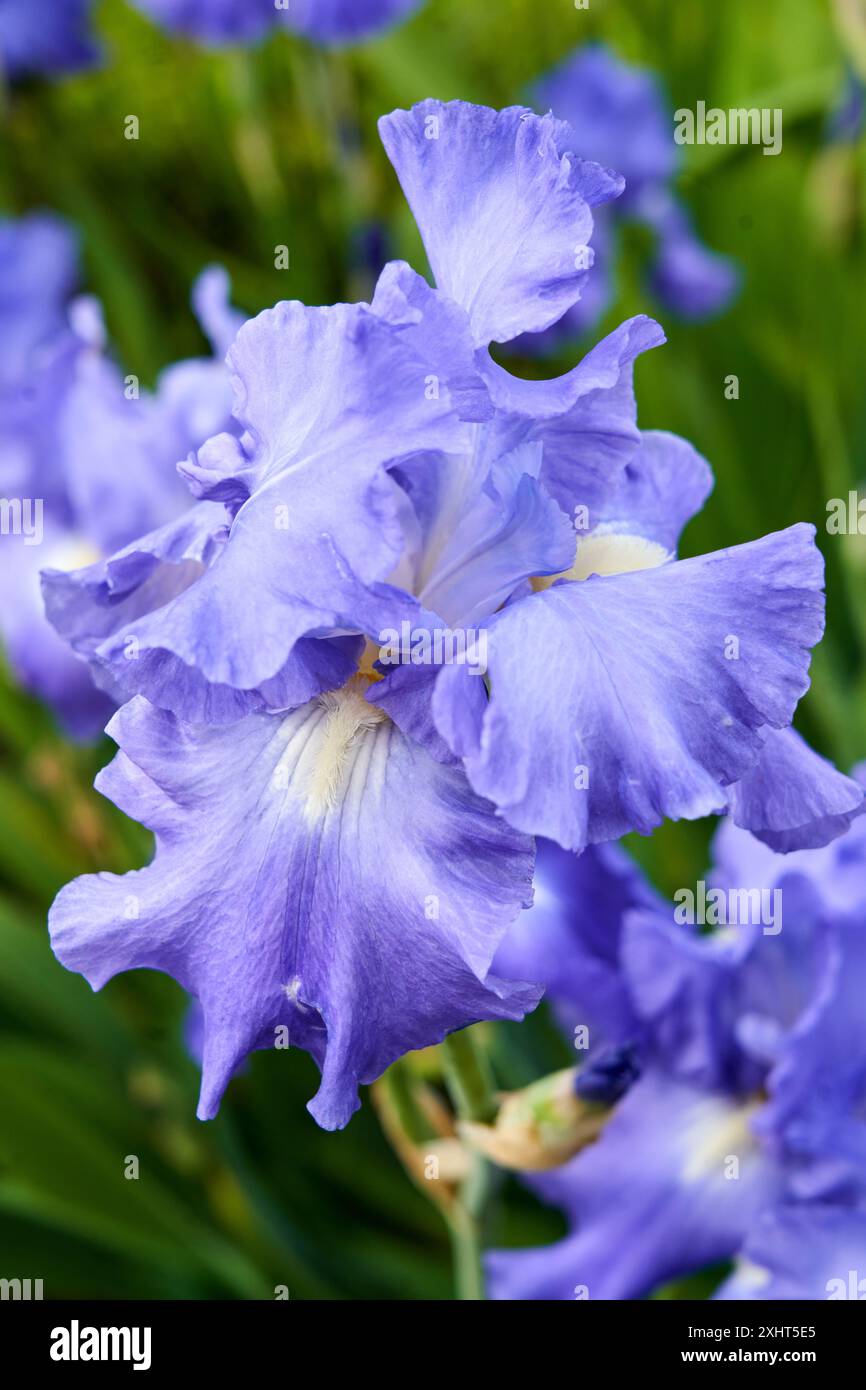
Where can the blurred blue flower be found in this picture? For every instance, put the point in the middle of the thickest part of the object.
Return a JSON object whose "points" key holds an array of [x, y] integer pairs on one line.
{"points": [[810, 1250], [81, 447], [848, 116], [244, 21], [619, 117], [746, 1130], [35, 42]]}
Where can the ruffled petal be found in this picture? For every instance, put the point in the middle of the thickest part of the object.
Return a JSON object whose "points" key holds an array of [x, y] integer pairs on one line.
{"points": [[836, 871], [113, 613], [586, 420], [596, 295], [618, 114], [315, 870], [310, 568], [392, 377], [645, 713], [503, 210], [792, 798]]}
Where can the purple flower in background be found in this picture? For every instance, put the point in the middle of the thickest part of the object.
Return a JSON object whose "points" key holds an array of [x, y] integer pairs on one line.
{"points": [[85, 460], [745, 1129], [619, 115], [341, 21], [38, 350], [244, 21], [808, 1251], [38, 272], [35, 42], [848, 116], [325, 804]]}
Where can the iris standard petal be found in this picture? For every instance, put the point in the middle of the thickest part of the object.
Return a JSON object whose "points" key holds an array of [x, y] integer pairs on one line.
{"points": [[483, 533], [503, 210], [586, 420]]}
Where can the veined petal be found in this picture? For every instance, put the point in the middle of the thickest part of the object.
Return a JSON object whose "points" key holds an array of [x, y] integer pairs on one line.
{"points": [[483, 532], [369, 400], [645, 712], [436, 333], [596, 295], [503, 210], [315, 870]]}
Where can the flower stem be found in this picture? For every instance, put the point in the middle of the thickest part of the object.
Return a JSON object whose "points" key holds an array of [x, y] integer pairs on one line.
{"points": [[469, 1078]]}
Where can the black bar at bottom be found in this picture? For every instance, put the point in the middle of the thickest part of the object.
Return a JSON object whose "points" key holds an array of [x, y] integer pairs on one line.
{"points": [[78, 1338]]}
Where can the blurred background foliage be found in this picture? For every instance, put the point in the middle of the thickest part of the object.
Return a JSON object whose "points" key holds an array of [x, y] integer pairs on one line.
{"points": [[240, 151]]}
